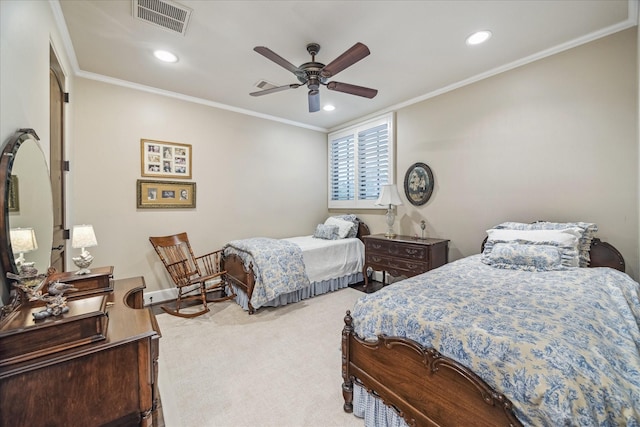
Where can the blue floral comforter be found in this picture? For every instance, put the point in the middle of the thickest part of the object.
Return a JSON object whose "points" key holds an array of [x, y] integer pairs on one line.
{"points": [[278, 266], [563, 346]]}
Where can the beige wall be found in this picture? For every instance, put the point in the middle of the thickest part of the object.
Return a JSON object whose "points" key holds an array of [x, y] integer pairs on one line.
{"points": [[556, 139], [27, 29], [553, 140], [254, 177]]}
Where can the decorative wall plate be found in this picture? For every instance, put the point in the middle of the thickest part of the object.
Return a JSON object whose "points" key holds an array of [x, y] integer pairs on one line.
{"points": [[418, 184]]}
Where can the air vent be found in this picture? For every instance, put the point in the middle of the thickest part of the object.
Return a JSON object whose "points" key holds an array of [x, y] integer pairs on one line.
{"points": [[264, 85], [163, 13]]}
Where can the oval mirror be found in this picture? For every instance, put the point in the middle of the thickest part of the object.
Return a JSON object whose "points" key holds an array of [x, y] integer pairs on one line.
{"points": [[27, 208]]}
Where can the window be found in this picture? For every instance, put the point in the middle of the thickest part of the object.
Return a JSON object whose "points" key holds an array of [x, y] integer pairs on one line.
{"points": [[361, 161]]}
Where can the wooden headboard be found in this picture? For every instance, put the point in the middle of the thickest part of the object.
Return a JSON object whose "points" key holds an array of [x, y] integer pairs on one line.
{"points": [[601, 254], [363, 229]]}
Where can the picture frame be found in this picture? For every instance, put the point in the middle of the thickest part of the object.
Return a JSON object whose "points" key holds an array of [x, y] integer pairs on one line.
{"points": [[151, 194], [13, 201], [161, 159], [418, 184]]}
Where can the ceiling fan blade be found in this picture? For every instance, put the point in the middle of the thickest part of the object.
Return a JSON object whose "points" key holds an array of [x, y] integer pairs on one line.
{"points": [[275, 89], [314, 100], [269, 54], [348, 58], [352, 89]]}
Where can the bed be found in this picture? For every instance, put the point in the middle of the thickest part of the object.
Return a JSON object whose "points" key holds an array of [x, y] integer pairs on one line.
{"points": [[331, 258], [472, 344]]}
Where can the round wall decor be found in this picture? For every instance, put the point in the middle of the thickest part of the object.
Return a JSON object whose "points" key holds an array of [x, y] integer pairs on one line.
{"points": [[418, 184]]}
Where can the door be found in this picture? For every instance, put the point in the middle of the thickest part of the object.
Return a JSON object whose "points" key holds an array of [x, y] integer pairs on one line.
{"points": [[56, 127]]}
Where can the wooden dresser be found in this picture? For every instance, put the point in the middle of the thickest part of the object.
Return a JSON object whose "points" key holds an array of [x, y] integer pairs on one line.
{"points": [[403, 255], [110, 379]]}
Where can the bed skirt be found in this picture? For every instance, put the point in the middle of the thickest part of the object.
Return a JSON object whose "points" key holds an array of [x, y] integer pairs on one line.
{"points": [[315, 289], [374, 412]]}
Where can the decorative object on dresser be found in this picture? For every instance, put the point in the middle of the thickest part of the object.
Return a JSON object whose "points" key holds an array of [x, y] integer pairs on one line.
{"points": [[418, 184], [193, 276], [83, 237], [403, 255], [390, 198], [56, 302]]}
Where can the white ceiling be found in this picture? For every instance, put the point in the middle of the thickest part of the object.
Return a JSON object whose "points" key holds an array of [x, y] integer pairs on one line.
{"points": [[417, 47]]}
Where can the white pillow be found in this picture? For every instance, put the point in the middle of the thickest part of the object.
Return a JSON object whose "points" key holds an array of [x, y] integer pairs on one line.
{"points": [[566, 237], [343, 226]]}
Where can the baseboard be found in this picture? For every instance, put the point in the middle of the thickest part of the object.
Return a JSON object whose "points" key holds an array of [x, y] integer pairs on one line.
{"points": [[163, 295]]}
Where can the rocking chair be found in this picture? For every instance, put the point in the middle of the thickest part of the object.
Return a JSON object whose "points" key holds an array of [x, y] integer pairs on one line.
{"points": [[193, 276]]}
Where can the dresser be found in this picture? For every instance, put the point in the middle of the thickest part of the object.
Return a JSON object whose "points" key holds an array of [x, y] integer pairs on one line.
{"points": [[403, 255], [104, 373]]}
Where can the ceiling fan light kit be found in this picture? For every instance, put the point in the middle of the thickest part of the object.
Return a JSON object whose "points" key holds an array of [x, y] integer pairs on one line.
{"points": [[315, 74]]}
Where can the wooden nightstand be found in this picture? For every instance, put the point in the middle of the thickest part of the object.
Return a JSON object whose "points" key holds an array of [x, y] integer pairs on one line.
{"points": [[403, 255]]}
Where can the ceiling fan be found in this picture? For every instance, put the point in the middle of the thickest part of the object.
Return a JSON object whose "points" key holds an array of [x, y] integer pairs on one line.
{"points": [[313, 74]]}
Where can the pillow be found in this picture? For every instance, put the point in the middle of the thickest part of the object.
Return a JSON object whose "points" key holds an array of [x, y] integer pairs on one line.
{"points": [[588, 231], [352, 218], [343, 226], [327, 232], [563, 242], [525, 257]]}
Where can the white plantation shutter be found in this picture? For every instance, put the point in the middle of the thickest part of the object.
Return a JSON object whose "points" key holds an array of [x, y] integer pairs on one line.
{"points": [[342, 169], [373, 161], [360, 163]]}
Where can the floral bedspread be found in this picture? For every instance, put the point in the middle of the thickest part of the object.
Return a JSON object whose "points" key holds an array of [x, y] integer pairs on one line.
{"points": [[278, 266], [563, 346]]}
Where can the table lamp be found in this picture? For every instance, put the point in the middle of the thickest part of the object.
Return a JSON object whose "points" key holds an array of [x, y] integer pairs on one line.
{"points": [[389, 197], [83, 237], [23, 240]]}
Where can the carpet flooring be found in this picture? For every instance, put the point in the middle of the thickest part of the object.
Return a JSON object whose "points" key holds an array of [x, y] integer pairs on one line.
{"points": [[278, 367]]}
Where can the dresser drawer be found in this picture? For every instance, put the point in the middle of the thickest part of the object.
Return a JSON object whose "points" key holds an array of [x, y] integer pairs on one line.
{"points": [[396, 264], [398, 249]]}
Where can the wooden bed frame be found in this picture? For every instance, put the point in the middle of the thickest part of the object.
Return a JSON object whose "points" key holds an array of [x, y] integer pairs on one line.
{"points": [[423, 386], [242, 275]]}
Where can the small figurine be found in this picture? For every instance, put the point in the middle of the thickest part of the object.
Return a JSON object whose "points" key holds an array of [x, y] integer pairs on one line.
{"points": [[54, 298]]}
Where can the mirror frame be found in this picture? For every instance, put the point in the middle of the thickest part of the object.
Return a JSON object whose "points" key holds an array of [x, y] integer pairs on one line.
{"points": [[7, 260]]}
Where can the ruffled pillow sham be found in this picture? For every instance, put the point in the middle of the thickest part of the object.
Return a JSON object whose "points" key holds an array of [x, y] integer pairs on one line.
{"points": [[587, 233], [532, 250]]}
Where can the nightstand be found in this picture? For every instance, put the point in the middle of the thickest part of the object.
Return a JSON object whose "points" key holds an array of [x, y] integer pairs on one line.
{"points": [[403, 255]]}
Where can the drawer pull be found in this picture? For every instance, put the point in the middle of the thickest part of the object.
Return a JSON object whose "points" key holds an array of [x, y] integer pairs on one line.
{"points": [[411, 251]]}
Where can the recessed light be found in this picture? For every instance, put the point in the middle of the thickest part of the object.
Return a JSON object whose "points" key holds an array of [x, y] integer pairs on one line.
{"points": [[479, 37], [165, 56], [328, 107]]}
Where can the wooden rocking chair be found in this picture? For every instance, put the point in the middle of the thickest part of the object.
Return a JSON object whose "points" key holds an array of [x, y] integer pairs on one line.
{"points": [[193, 276]]}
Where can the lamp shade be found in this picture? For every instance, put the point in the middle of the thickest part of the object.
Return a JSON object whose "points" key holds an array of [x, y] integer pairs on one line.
{"points": [[389, 196], [23, 240], [83, 236]]}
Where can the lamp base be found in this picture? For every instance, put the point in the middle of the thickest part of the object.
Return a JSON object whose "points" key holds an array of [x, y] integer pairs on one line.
{"points": [[391, 217], [83, 262]]}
